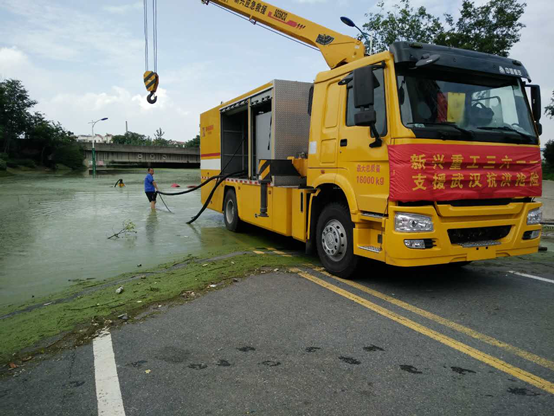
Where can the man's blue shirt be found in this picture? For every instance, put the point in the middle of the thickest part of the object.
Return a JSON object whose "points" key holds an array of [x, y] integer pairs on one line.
{"points": [[148, 187]]}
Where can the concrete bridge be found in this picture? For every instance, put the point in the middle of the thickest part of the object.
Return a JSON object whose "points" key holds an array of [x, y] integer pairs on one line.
{"points": [[119, 155]]}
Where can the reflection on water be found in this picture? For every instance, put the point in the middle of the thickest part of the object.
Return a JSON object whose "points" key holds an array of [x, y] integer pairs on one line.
{"points": [[55, 228], [151, 225]]}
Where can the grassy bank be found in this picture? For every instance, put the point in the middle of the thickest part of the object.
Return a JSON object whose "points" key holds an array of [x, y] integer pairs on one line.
{"points": [[79, 312], [24, 169]]}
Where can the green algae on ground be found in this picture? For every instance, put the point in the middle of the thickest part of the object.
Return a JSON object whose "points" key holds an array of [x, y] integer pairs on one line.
{"points": [[26, 328]]}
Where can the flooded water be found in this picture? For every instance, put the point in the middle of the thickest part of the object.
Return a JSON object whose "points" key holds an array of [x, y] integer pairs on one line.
{"points": [[54, 229]]}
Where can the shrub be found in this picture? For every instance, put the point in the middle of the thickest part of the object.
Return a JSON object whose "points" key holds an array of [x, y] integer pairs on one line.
{"points": [[3, 164], [27, 163], [70, 155]]}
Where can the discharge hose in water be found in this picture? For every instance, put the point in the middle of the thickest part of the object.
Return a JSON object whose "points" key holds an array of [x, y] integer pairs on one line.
{"points": [[220, 180]]}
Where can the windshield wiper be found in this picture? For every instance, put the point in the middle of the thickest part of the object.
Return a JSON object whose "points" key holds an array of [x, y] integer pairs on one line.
{"points": [[506, 128], [460, 129]]}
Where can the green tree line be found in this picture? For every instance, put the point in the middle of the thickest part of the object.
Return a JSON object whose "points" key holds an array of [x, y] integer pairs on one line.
{"points": [[491, 28], [27, 138], [137, 139]]}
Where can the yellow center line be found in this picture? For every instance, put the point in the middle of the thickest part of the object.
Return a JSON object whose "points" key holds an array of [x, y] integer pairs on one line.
{"points": [[452, 325], [466, 349], [258, 252]]}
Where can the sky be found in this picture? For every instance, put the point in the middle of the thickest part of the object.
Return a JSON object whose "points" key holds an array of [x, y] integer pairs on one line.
{"points": [[84, 60]]}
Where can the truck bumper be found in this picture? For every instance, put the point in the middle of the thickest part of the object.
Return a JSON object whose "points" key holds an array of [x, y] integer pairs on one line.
{"points": [[507, 234]]}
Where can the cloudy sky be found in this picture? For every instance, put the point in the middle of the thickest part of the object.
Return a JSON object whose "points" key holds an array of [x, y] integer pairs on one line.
{"points": [[84, 60]]}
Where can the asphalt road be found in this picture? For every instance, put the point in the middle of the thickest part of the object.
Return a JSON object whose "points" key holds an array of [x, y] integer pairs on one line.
{"points": [[434, 341]]}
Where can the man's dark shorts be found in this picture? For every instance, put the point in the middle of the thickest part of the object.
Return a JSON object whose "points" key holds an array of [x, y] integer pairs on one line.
{"points": [[151, 196]]}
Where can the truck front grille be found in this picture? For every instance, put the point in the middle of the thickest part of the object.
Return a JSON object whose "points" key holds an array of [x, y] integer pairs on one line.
{"points": [[474, 235]]}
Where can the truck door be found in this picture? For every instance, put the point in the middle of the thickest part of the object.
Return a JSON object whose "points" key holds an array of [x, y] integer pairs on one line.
{"points": [[331, 126], [365, 168]]}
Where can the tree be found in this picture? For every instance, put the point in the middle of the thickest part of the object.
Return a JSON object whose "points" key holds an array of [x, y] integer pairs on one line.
{"points": [[549, 109], [159, 134], [404, 23], [132, 138], [549, 147], [193, 143], [492, 28], [159, 140], [549, 154], [15, 118], [41, 141]]}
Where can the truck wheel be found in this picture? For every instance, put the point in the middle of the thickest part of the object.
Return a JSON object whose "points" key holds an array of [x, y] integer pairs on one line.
{"points": [[230, 211], [334, 241]]}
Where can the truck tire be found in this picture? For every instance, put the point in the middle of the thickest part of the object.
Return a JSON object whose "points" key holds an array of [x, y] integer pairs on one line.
{"points": [[335, 242], [231, 212]]}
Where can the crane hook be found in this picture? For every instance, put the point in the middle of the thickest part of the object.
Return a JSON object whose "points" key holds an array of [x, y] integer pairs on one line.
{"points": [[151, 82], [151, 98]]}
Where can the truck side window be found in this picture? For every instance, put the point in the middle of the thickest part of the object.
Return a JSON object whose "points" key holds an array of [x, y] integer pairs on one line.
{"points": [[380, 108]]}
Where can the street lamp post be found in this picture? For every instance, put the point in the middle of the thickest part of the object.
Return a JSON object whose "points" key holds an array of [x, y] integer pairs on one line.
{"points": [[349, 22], [93, 150]]}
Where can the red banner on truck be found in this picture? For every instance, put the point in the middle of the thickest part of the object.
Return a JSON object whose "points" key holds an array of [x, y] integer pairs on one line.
{"points": [[434, 172]]}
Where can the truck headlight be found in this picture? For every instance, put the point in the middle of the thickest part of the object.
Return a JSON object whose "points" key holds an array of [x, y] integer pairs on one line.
{"points": [[534, 217], [412, 223]]}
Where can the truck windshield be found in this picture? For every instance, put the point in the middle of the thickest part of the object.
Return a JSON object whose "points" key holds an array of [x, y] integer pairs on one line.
{"points": [[456, 105]]}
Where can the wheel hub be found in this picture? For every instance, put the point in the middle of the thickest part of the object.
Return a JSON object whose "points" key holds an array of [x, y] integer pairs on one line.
{"points": [[333, 240], [230, 211]]}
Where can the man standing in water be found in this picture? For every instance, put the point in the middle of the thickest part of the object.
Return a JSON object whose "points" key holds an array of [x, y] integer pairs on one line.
{"points": [[150, 188]]}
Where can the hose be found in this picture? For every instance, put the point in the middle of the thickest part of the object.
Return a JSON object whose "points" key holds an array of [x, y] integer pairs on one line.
{"points": [[220, 179], [219, 182], [191, 189], [165, 204]]}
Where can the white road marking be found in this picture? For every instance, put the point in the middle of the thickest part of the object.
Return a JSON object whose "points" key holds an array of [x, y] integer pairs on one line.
{"points": [[542, 279], [108, 392]]}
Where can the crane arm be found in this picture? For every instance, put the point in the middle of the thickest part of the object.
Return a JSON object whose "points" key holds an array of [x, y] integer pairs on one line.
{"points": [[336, 48]]}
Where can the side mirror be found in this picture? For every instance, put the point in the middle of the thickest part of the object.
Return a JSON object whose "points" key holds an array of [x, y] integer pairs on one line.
{"points": [[536, 102], [363, 87], [365, 118], [364, 96], [364, 84], [539, 128]]}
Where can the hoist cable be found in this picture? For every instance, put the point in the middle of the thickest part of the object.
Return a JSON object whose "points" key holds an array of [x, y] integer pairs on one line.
{"points": [[145, 35], [267, 28], [155, 33]]}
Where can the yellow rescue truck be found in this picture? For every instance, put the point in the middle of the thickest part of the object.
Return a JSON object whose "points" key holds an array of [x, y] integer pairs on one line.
{"points": [[419, 155]]}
